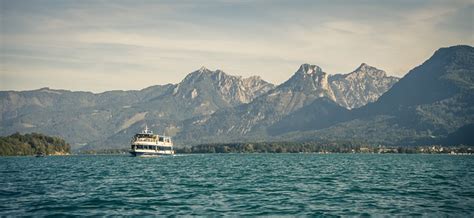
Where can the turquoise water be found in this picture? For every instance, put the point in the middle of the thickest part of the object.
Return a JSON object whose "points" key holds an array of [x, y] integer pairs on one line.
{"points": [[238, 184]]}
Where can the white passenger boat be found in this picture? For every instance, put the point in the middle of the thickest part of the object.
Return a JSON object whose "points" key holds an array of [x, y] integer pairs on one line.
{"points": [[148, 144]]}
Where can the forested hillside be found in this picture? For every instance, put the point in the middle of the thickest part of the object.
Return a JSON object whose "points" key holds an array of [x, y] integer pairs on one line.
{"points": [[31, 144]]}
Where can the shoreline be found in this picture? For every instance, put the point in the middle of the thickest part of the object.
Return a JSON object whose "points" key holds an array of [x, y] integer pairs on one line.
{"points": [[254, 153]]}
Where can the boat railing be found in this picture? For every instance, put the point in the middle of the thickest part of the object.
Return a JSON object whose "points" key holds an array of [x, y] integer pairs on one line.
{"points": [[145, 139], [165, 140]]}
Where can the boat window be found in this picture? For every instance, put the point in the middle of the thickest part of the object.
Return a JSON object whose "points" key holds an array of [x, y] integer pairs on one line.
{"points": [[164, 148], [161, 139]]}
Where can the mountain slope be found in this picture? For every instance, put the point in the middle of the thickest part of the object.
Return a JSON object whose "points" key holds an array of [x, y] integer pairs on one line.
{"points": [[437, 95], [14, 104], [316, 115], [447, 73]]}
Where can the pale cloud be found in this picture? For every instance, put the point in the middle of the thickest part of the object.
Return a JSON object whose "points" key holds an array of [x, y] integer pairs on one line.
{"points": [[103, 45]]}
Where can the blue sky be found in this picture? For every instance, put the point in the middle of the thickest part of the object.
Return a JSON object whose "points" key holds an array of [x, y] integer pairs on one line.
{"points": [[108, 45]]}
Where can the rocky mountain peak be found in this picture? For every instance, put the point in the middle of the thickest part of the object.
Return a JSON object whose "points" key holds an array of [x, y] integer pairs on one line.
{"points": [[365, 70], [307, 84], [363, 67], [202, 73], [210, 90], [219, 77], [363, 85], [203, 69], [309, 69], [308, 78]]}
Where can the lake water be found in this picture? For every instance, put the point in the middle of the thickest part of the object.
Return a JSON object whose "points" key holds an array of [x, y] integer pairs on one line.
{"points": [[238, 184]]}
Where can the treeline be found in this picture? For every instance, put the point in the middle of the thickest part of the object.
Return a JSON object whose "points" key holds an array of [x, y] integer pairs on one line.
{"points": [[103, 151], [274, 147], [318, 147], [32, 144]]}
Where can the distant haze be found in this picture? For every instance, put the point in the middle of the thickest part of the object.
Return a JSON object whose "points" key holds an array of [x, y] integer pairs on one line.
{"points": [[108, 45]]}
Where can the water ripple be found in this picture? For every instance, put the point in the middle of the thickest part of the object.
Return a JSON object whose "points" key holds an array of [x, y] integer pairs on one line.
{"points": [[238, 184]]}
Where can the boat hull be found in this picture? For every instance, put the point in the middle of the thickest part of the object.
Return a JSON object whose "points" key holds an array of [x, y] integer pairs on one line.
{"points": [[150, 153]]}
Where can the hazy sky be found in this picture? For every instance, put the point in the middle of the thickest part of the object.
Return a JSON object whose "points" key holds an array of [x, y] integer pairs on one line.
{"points": [[104, 45]]}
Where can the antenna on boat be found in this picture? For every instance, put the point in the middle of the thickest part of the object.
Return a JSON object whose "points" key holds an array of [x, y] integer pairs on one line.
{"points": [[146, 130]]}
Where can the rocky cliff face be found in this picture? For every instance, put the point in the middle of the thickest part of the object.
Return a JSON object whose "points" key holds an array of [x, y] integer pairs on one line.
{"points": [[207, 91], [363, 85]]}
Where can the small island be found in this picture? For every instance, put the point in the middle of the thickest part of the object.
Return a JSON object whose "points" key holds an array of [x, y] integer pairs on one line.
{"points": [[33, 144]]}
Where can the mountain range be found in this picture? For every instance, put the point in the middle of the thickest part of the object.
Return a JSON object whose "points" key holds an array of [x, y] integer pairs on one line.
{"points": [[430, 104]]}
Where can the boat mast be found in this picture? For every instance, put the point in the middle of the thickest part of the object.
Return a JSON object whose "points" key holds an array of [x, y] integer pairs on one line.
{"points": [[146, 130]]}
